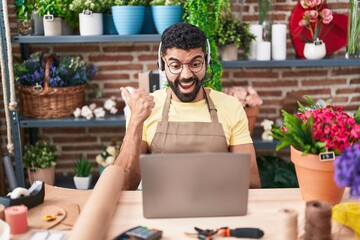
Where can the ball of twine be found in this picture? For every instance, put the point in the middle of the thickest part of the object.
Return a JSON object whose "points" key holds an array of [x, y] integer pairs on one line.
{"points": [[318, 221]]}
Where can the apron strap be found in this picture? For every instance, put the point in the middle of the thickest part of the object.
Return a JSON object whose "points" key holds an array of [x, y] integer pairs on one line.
{"points": [[209, 102]]}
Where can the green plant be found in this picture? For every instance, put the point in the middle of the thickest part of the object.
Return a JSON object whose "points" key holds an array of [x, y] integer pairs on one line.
{"points": [[78, 6], [130, 2], [276, 172], [55, 7], [232, 31], [40, 155], [353, 46], [317, 128], [264, 7], [82, 167], [167, 2], [24, 8], [206, 14]]}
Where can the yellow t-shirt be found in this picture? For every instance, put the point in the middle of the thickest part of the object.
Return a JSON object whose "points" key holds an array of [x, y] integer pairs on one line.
{"points": [[230, 113]]}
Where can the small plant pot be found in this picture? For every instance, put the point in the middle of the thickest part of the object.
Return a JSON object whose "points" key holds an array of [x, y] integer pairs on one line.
{"points": [[82, 182], [229, 53], [315, 50], [47, 175], [25, 26]]}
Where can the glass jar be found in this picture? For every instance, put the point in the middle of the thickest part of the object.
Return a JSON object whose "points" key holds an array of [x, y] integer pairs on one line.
{"points": [[353, 46], [25, 26]]}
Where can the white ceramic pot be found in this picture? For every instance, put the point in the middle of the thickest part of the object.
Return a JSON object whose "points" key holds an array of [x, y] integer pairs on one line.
{"points": [[52, 25], [315, 50], [229, 53], [91, 24], [82, 182]]}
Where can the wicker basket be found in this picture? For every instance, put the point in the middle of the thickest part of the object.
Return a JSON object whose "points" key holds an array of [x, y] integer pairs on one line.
{"points": [[47, 102]]}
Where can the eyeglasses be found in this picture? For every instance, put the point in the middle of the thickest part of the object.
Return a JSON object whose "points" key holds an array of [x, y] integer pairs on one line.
{"points": [[195, 66]]}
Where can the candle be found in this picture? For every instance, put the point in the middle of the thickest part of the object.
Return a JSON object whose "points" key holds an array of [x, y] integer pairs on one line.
{"points": [[278, 41], [15, 216], [255, 29], [263, 51]]}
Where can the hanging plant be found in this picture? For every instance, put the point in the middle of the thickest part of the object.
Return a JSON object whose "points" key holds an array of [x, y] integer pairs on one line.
{"points": [[206, 14]]}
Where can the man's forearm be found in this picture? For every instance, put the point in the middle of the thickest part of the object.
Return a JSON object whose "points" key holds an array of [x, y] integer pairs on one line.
{"points": [[128, 157]]}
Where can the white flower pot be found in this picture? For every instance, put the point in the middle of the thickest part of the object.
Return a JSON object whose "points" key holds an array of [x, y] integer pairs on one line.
{"points": [[82, 182], [315, 50], [91, 24], [52, 25], [229, 53]]}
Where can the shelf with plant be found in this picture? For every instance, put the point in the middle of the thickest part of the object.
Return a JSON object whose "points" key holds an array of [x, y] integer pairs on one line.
{"points": [[233, 31]]}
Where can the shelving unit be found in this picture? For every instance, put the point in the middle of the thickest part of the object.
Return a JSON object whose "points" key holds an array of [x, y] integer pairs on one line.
{"points": [[119, 120]]}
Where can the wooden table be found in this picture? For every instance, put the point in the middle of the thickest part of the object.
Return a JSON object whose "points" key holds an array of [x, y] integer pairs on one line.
{"points": [[263, 213]]}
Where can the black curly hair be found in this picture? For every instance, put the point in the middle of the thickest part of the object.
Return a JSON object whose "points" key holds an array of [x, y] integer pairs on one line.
{"points": [[184, 36]]}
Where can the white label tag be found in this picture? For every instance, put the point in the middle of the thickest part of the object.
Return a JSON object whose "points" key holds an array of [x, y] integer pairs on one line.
{"points": [[327, 156]]}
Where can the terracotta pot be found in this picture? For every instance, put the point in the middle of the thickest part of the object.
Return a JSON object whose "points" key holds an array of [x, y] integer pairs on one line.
{"points": [[251, 113], [316, 178], [47, 175]]}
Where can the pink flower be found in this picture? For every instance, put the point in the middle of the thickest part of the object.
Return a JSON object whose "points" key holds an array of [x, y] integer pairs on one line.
{"points": [[247, 96], [314, 18]]}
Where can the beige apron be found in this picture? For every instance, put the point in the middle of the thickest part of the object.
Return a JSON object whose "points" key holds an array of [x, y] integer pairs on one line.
{"points": [[182, 137]]}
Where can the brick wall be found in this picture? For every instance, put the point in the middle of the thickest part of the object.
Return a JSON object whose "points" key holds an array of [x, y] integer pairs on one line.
{"points": [[119, 63]]}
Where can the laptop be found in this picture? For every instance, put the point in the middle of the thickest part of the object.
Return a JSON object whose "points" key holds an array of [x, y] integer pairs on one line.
{"points": [[178, 185]]}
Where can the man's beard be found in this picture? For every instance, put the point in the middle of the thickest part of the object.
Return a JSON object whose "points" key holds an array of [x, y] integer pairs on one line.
{"points": [[185, 97]]}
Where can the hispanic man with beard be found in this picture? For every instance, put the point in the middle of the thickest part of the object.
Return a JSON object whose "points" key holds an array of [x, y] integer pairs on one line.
{"points": [[184, 117]]}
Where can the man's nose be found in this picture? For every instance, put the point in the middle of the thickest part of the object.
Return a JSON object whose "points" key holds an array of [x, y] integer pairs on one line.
{"points": [[186, 72]]}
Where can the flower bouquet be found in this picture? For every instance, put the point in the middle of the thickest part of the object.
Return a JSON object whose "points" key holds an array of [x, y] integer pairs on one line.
{"points": [[316, 134], [54, 87], [107, 157], [249, 99]]}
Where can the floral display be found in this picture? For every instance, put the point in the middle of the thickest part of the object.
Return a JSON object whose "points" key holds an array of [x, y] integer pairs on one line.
{"points": [[247, 96], [107, 157], [315, 16], [316, 128], [347, 169], [68, 71]]}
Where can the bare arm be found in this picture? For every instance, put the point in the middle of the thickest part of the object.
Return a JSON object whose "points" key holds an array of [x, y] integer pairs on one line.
{"points": [[141, 105], [254, 171]]}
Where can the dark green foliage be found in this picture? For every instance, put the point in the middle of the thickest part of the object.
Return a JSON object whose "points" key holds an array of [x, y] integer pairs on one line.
{"points": [[275, 172], [40, 155], [232, 31], [357, 116], [82, 167]]}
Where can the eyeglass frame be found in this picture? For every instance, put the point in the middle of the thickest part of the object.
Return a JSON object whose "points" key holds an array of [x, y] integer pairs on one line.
{"points": [[182, 65]]}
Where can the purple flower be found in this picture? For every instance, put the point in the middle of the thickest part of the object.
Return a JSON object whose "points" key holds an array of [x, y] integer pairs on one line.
{"points": [[347, 169]]}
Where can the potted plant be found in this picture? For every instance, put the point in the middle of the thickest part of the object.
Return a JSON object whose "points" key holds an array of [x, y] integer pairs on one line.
{"points": [[231, 35], [24, 10], [90, 14], [61, 80], [40, 160], [128, 16], [317, 134], [82, 178], [51, 11], [166, 13], [249, 99]]}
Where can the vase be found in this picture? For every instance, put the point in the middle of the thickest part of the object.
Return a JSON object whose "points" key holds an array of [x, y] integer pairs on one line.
{"points": [[229, 53], [25, 26], [38, 24], [316, 178], [82, 182], [52, 25], [128, 20], [47, 175], [90, 24], [149, 25], [315, 50], [108, 23], [165, 16], [251, 113], [353, 45]]}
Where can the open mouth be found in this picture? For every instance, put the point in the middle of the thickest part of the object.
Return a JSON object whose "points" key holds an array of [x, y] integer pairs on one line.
{"points": [[186, 85]]}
